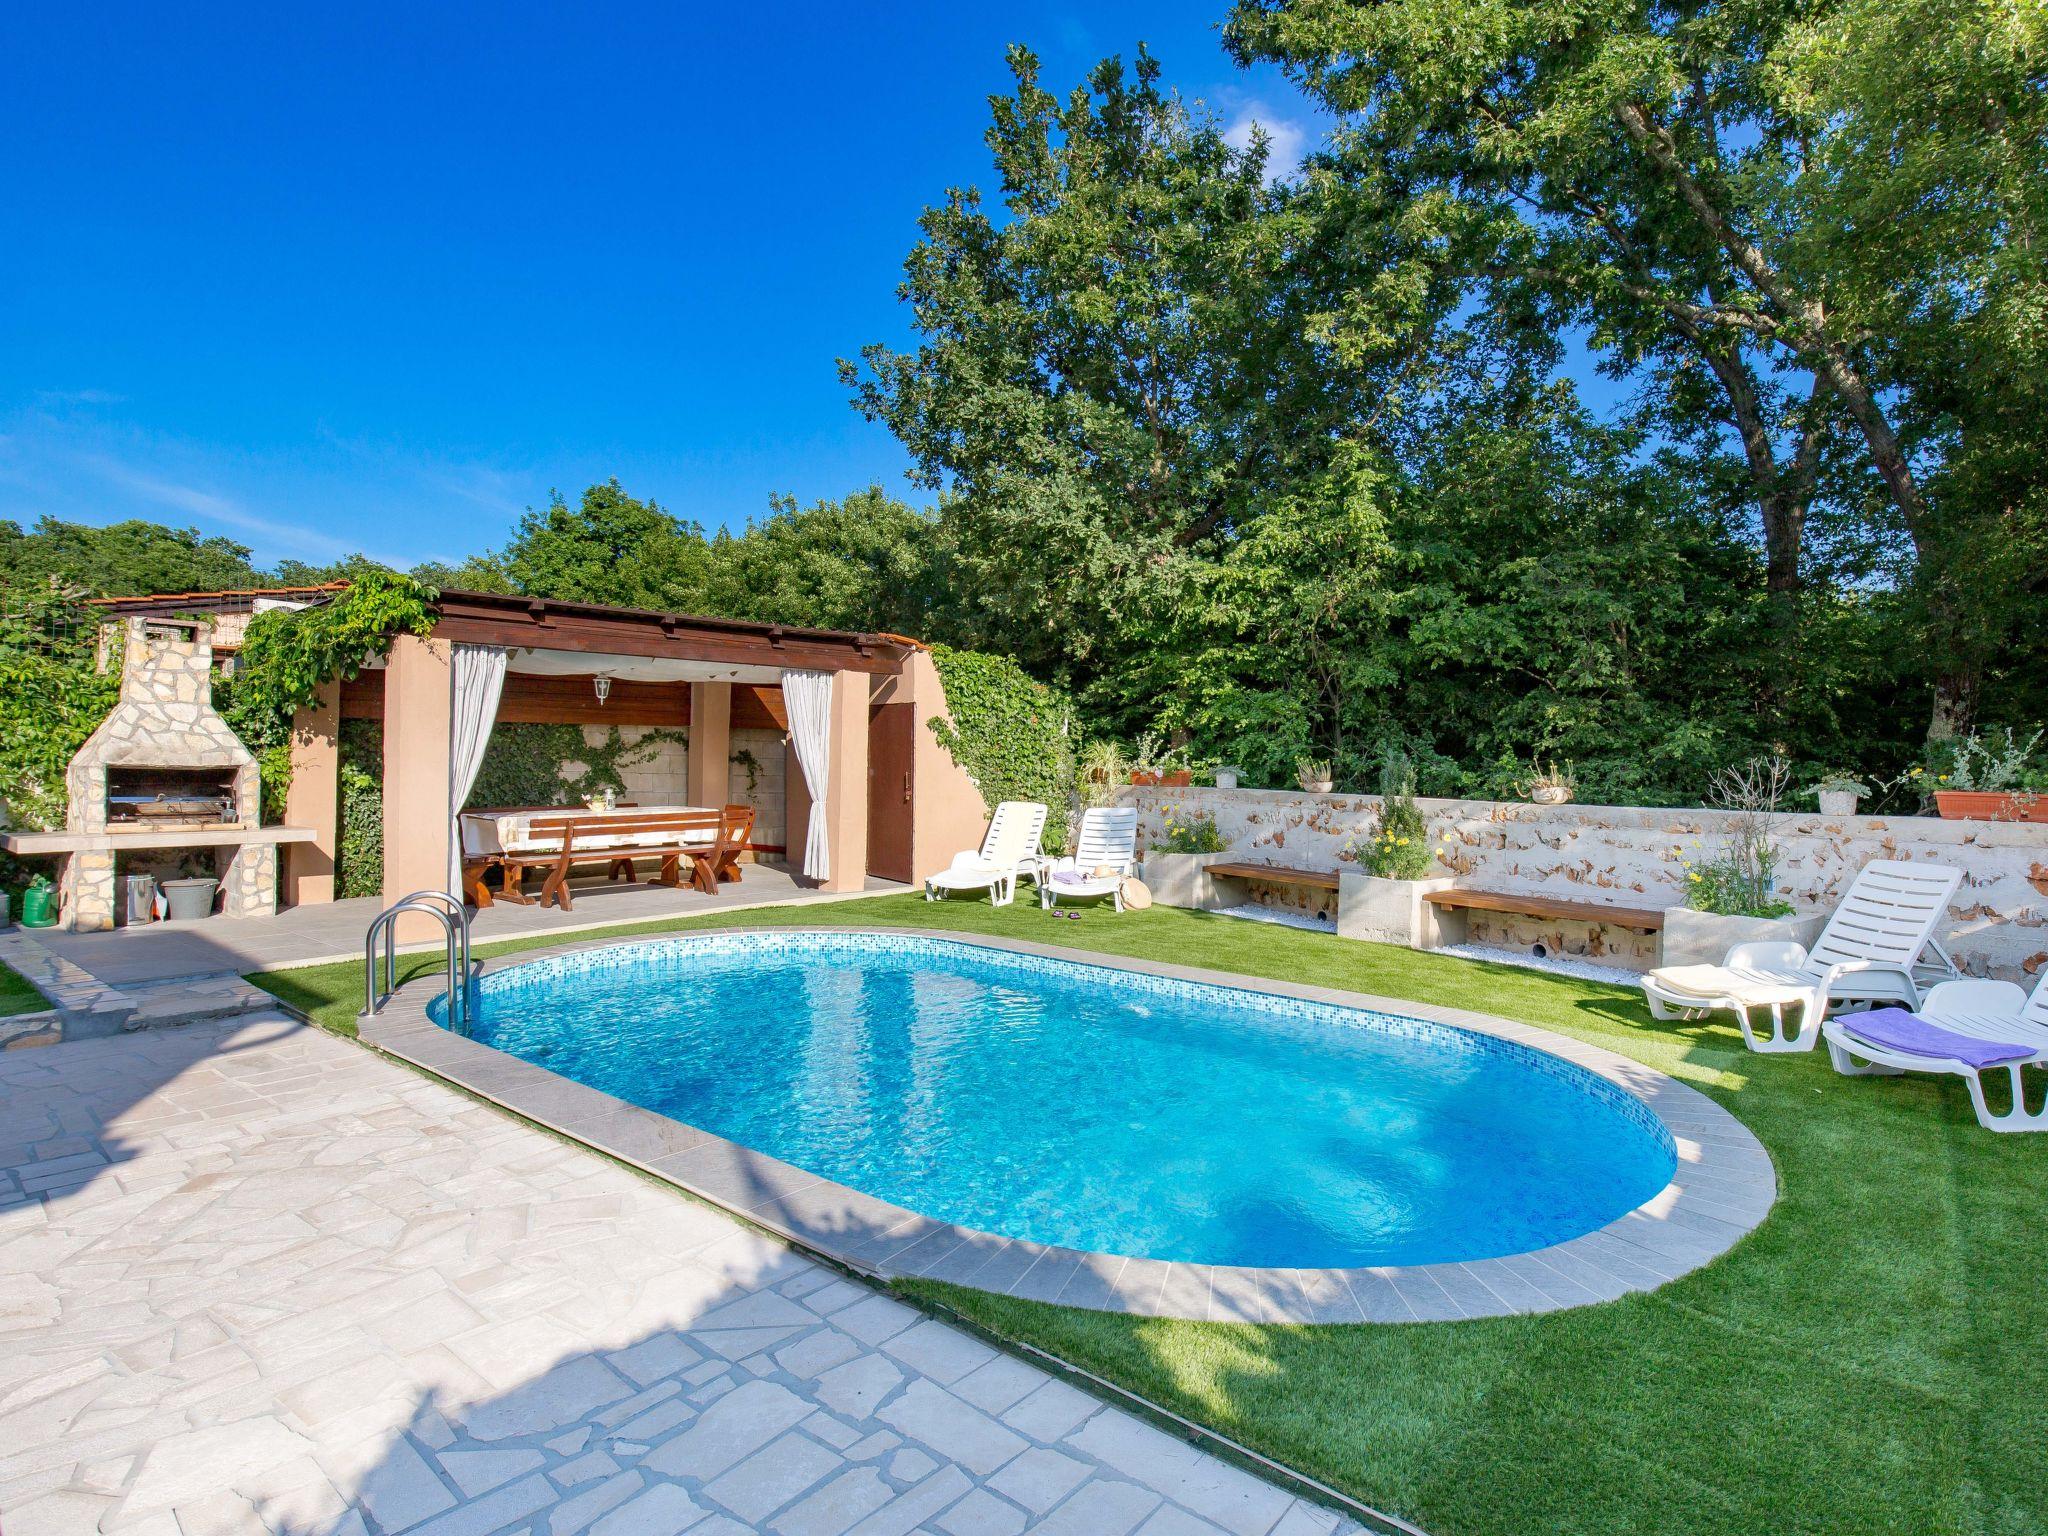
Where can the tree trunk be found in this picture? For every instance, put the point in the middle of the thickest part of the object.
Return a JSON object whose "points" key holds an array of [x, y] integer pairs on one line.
{"points": [[1781, 499], [1955, 704], [1806, 333]]}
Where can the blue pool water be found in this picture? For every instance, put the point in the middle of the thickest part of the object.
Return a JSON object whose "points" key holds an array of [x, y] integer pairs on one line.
{"points": [[1093, 1107]]}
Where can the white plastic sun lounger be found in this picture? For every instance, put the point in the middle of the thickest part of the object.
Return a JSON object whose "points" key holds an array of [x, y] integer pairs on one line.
{"points": [[1009, 848], [1977, 1027], [1877, 948], [1102, 859]]}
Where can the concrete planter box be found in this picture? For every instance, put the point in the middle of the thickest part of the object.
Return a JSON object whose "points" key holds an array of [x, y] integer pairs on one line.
{"points": [[1704, 938], [1390, 911], [1181, 879]]}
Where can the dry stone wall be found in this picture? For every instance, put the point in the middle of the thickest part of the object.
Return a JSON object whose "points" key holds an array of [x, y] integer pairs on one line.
{"points": [[1998, 923]]}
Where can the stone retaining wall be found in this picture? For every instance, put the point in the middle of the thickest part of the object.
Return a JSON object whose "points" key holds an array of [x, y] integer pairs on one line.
{"points": [[1998, 924]]}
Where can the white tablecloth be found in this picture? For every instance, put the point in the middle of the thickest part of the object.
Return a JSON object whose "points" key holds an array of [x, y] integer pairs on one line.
{"points": [[510, 832]]}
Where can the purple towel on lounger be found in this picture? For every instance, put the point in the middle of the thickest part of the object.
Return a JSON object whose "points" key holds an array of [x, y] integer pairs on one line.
{"points": [[1899, 1030]]}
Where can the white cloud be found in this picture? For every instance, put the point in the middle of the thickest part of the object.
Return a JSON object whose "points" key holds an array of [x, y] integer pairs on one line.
{"points": [[64, 397], [211, 506], [1287, 139], [97, 472]]}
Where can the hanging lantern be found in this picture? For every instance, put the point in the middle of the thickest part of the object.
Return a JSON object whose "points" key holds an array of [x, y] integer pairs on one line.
{"points": [[603, 684]]}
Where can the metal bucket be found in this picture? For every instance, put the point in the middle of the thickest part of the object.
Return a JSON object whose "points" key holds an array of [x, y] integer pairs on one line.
{"points": [[141, 898], [190, 899]]}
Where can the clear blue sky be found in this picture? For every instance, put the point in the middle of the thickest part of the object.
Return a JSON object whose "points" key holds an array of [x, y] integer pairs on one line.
{"points": [[327, 279]]}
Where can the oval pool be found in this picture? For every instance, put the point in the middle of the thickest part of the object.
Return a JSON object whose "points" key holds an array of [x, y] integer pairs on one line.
{"points": [[1090, 1107]]}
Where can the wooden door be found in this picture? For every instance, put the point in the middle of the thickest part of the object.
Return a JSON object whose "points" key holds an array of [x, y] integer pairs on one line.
{"points": [[891, 759]]}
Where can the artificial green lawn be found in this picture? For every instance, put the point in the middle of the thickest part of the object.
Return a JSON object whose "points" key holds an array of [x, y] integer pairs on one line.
{"points": [[1873, 1359], [16, 995]]}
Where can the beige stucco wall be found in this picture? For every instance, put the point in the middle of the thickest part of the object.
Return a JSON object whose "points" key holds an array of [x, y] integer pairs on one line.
{"points": [[418, 708], [313, 798], [846, 789], [1998, 924], [711, 739], [949, 813]]}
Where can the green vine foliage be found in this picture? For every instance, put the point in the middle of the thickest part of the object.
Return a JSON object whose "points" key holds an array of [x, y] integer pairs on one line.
{"points": [[359, 862], [287, 654], [1013, 735], [526, 762], [525, 766], [51, 698]]}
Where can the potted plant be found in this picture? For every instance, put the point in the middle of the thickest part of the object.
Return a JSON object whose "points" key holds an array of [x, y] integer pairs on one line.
{"points": [[1731, 896], [1102, 768], [1227, 775], [1177, 861], [1313, 775], [1385, 903], [1989, 779], [1549, 784], [1151, 765], [1838, 794]]}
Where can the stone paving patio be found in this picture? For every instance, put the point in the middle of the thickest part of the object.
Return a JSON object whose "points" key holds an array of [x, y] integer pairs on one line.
{"points": [[254, 1278]]}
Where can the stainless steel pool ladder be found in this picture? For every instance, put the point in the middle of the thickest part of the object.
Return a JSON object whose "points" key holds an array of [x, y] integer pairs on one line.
{"points": [[454, 920]]}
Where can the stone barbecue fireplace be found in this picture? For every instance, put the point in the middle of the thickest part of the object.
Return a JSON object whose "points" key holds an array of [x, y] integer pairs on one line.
{"points": [[163, 763]]}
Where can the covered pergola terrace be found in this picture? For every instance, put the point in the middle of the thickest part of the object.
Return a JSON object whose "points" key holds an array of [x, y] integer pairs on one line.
{"points": [[893, 805]]}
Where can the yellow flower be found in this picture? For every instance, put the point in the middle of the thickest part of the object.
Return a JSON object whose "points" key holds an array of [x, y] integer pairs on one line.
{"points": [[1694, 876], [1944, 778], [1401, 842]]}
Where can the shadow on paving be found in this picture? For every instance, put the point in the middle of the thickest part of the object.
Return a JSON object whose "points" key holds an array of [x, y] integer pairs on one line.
{"points": [[54, 1144], [336, 1298]]}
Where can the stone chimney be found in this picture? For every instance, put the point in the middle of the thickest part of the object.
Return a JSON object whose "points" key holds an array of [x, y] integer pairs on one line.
{"points": [[165, 719]]}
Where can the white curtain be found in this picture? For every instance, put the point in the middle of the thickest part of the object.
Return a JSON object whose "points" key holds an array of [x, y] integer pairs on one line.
{"points": [[808, 698], [478, 676]]}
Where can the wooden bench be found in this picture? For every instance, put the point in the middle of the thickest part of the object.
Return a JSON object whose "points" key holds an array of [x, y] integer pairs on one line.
{"points": [[1276, 874], [1643, 919], [736, 835], [699, 836]]}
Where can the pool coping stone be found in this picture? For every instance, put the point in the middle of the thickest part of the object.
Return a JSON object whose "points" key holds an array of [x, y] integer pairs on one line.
{"points": [[1724, 1186]]}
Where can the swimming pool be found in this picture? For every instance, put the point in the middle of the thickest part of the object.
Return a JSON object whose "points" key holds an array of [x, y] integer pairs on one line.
{"points": [[1091, 1107]]}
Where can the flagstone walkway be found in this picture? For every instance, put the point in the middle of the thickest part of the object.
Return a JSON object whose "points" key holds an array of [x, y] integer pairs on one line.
{"points": [[253, 1278]]}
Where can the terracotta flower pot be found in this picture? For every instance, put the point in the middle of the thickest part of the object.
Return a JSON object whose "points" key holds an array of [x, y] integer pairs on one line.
{"points": [[1982, 805]]}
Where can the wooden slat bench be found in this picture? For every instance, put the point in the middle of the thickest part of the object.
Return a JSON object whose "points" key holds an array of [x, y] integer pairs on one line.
{"points": [[699, 836], [1645, 919], [1276, 874]]}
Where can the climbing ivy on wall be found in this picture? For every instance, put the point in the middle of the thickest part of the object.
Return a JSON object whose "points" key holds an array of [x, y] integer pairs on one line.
{"points": [[287, 653], [359, 861], [1013, 735], [51, 699], [523, 767], [525, 763]]}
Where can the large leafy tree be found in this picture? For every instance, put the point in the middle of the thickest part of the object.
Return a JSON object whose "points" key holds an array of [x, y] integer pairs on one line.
{"points": [[1116, 378], [122, 559], [1643, 166], [608, 548], [861, 563]]}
